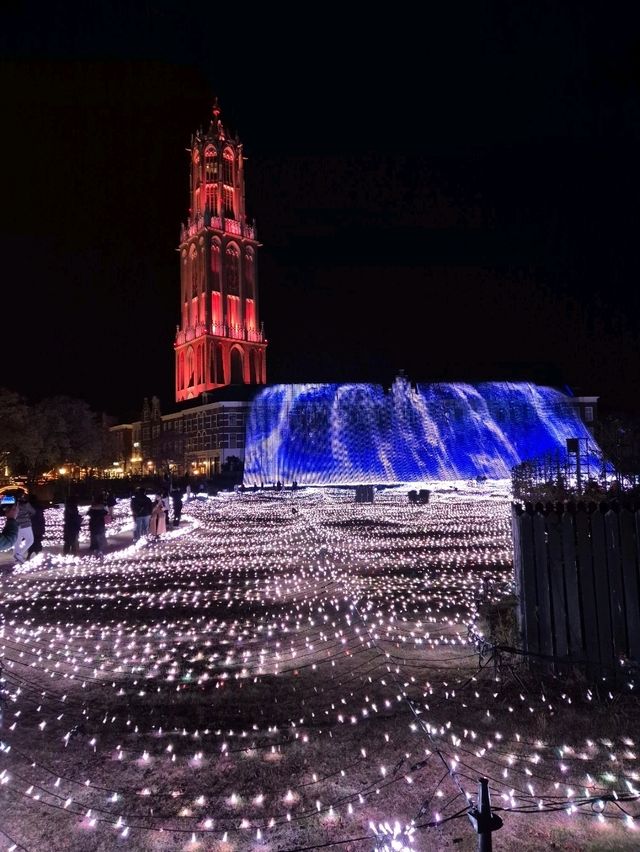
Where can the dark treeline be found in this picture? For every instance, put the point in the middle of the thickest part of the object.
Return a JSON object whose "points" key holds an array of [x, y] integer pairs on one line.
{"points": [[37, 437]]}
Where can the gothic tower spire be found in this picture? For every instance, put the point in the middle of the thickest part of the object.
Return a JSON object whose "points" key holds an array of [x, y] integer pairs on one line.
{"points": [[220, 340], [216, 125]]}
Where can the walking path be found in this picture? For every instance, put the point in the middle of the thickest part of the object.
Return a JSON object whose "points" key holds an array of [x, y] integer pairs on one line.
{"points": [[119, 536], [117, 541]]}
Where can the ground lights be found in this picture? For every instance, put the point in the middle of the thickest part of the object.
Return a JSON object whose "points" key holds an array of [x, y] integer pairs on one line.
{"points": [[264, 669]]}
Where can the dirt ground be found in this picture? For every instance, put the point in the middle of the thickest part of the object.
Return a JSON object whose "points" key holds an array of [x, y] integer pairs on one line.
{"points": [[291, 671]]}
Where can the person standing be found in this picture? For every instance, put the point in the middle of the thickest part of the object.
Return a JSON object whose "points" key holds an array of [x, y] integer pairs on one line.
{"points": [[9, 533], [158, 523], [141, 507], [97, 531], [37, 525], [176, 497], [25, 531], [166, 503], [110, 502], [71, 527]]}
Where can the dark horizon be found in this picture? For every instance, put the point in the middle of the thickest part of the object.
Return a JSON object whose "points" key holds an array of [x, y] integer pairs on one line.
{"points": [[464, 210]]}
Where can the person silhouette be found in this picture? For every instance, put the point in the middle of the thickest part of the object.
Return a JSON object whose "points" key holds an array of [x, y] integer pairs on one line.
{"points": [[98, 514], [71, 525], [176, 497], [25, 534], [158, 521], [37, 525]]}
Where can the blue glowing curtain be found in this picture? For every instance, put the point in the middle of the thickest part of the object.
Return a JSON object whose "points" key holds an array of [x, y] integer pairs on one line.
{"points": [[351, 434]]}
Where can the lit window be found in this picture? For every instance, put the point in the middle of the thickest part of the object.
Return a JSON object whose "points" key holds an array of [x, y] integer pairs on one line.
{"points": [[227, 167], [250, 314], [233, 313], [194, 272], [227, 199], [211, 166], [216, 312], [215, 266], [212, 196], [249, 273]]}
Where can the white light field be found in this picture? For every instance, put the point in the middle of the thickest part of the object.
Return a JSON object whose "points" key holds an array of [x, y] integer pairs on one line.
{"points": [[285, 670]]}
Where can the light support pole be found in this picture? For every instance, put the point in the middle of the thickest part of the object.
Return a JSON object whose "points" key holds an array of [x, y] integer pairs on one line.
{"points": [[573, 448], [484, 822]]}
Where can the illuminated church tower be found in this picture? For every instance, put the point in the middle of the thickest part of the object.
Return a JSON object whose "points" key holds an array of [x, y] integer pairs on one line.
{"points": [[220, 339]]}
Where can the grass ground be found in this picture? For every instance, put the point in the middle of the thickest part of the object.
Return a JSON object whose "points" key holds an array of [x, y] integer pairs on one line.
{"points": [[285, 670]]}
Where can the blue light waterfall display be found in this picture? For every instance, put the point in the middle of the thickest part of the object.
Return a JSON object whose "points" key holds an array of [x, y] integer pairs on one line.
{"points": [[347, 434]]}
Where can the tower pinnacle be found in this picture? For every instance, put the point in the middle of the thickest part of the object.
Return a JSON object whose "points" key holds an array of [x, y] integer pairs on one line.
{"points": [[216, 124]]}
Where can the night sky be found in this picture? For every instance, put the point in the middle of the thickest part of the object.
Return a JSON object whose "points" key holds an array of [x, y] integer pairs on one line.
{"points": [[458, 198]]}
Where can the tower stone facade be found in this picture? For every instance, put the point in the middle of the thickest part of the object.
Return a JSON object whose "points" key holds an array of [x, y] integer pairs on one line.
{"points": [[220, 339]]}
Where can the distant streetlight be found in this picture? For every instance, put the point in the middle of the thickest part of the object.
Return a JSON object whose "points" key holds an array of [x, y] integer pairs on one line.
{"points": [[62, 471]]}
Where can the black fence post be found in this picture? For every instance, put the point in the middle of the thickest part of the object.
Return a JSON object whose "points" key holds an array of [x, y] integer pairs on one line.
{"points": [[484, 822]]}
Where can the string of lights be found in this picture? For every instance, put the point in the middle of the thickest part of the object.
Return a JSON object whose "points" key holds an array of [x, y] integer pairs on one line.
{"points": [[15, 846], [266, 670]]}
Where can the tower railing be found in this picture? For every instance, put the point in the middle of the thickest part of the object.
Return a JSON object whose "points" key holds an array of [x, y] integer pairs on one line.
{"points": [[220, 223], [220, 329], [237, 332]]}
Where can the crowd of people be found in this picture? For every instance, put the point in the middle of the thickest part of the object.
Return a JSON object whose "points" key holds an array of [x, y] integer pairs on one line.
{"points": [[24, 527]]}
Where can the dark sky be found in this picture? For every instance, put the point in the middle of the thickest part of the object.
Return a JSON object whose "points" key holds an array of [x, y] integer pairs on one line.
{"points": [[457, 198]]}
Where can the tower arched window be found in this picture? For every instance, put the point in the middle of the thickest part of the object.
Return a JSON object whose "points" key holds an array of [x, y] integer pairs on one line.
{"points": [[232, 269], [211, 179], [212, 198], [250, 318], [193, 257], [190, 376], [215, 265], [227, 203], [228, 210], [227, 167], [249, 274], [211, 165], [237, 366]]}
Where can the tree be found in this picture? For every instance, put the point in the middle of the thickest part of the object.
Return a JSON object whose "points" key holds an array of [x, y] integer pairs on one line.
{"points": [[618, 436], [61, 429], [14, 417]]}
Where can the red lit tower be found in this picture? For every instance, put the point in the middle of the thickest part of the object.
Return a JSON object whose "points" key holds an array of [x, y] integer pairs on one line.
{"points": [[220, 339]]}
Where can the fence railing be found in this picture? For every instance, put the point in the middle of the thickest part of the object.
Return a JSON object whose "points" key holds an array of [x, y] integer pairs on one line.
{"points": [[584, 474], [578, 585]]}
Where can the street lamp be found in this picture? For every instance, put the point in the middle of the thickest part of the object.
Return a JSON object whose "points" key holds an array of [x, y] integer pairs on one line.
{"points": [[63, 472]]}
